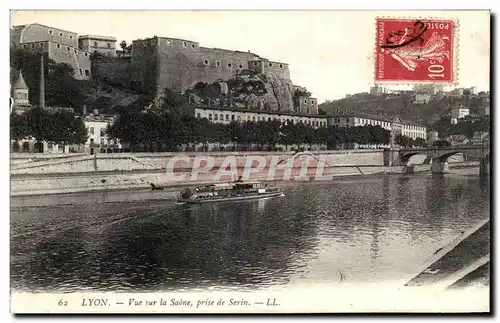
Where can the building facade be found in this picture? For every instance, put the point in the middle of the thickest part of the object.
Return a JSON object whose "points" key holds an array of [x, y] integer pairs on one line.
{"points": [[431, 88], [394, 125], [60, 46], [458, 113], [377, 90], [105, 45], [98, 141], [226, 116]]}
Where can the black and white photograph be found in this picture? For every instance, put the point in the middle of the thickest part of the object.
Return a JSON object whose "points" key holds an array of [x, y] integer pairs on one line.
{"points": [[249, 161]]}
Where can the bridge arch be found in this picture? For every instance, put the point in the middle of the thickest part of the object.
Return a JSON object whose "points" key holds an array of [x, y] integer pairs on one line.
{"points": [[405, 156], [448, 154]]}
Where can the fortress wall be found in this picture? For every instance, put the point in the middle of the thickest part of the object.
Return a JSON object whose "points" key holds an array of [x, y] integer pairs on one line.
{"points": [[79, 60], [279, 69], [143, 68], [176, 63], [60, 53], [113, 71]]}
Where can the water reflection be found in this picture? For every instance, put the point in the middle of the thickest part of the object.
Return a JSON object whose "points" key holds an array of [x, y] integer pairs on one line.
{"points": [[367, 229]]}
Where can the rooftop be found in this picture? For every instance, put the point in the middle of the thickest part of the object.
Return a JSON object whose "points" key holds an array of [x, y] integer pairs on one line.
{"points": [[97, 37], [26, 25]]}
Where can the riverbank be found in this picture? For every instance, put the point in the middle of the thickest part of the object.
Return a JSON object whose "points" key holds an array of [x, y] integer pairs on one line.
{"points": [[100, 181]]}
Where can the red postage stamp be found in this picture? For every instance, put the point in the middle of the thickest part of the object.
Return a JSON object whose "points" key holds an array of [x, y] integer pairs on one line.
{"points": [[412, 50]]}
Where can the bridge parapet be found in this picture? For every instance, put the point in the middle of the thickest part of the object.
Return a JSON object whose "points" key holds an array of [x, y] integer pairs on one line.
{"points": [[476, 151]]}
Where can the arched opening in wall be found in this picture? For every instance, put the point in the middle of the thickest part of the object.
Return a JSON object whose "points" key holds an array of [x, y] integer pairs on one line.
{"points": [[229, 65], [205, 62], [15, 147], [38, 147], [26, 146], [281, 65]]}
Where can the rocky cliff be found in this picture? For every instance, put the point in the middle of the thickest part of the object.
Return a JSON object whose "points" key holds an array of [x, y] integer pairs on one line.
{"points": [[247, 90]]}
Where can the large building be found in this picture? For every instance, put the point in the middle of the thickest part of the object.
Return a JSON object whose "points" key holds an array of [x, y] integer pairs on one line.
{"points": [[178, 64], [221, 115], [394, 125], [62, 46]]}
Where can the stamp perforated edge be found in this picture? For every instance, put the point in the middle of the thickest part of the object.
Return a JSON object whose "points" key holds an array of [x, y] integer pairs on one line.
{"points": [[455, 47]]}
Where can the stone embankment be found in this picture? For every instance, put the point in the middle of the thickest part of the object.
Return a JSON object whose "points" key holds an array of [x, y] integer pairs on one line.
{"points": [[40, 174]]}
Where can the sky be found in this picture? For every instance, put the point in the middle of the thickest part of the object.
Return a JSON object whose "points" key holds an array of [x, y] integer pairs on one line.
{"points": [[331, 53]]}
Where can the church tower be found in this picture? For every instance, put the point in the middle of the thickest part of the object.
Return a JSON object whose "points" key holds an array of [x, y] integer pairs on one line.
{"points": [[20, 92]]}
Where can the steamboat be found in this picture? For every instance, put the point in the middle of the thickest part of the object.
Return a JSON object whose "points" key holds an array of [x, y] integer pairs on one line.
{"points": [[224, 192]]}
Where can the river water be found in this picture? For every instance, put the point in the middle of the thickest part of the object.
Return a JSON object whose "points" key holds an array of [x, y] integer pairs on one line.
{"points": [[354, 230]]}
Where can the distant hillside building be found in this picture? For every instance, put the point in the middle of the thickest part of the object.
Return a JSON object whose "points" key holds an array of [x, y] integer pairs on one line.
{"points": [[481, 138], [377, 90], [422, 98], [430, 89], [458, 113]]}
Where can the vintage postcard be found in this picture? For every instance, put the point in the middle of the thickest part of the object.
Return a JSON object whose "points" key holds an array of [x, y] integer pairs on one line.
{"points": [[250, 161]]}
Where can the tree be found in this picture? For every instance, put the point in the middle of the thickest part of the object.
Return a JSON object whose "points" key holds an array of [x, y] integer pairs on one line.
{"points": [[97, 56], [126, 48], [419, 142], [19, 128], [61, 89], [59, 127]]}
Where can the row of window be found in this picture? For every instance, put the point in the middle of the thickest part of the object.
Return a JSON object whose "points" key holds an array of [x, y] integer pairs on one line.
{"points": [[383, 124], [312, 101], [101, 131], [168, 42], [60, 34], [102, 141], [97, 45], [217, 63], [270, 64], [222, 117], [68, 48]]}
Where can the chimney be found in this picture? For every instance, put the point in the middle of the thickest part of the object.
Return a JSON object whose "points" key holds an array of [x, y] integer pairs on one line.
{"points": [[42, 83]]}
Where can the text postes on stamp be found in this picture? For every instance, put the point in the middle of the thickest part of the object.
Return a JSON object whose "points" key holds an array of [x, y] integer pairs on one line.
{"points": [[413, 50]]}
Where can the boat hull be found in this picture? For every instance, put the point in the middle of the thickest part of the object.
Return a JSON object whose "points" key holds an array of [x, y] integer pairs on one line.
{"points": [[232, 198]]}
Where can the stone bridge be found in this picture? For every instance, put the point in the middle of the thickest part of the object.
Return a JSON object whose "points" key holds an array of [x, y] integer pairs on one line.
{"points": [[438, 157]]}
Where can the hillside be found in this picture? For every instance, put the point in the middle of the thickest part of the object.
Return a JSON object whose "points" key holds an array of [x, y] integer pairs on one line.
{"points": [[401, 104]]}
